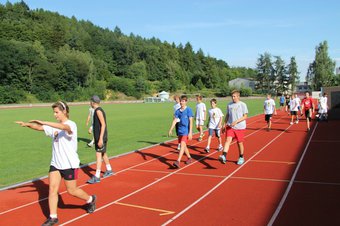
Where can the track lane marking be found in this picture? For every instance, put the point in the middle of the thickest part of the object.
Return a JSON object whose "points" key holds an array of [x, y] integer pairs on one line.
{"points": [[162, 212], [279, 162]]}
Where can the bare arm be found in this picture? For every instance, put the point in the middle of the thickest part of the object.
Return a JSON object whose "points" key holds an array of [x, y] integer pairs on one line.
{"points": [[244, 117], [33, 126], [56, 125], [174, 121], [190, 128]]}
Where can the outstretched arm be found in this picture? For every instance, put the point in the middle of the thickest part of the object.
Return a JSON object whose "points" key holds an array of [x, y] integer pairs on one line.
{"points": [[33, 126], [56, 125]]}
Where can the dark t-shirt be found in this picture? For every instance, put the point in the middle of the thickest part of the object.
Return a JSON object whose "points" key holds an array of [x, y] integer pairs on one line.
{"points": [[97, 125]]}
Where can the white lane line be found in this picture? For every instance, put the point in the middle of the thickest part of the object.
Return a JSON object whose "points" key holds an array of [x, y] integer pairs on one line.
{"points": [[220, 183], [285, 195]]}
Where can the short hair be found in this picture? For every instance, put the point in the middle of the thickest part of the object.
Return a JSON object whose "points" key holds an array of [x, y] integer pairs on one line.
{"points": [[199, 97], [213, 100], [235, 91], [184, 97], [176, 97]]}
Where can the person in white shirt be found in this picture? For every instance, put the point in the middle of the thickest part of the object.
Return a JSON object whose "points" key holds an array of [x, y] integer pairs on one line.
{"points": [[294, 108], [214, 124], [200, 116], [269, 110], [176, 106], [323, 107], [90, 119], [65, 160]]}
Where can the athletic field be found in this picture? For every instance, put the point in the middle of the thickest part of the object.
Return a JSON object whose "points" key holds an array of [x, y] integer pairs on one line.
{"points": [[25, 154]]}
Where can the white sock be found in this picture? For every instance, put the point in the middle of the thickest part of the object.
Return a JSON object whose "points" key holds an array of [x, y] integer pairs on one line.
{"points": [[90, 199], [53, 216], [207, 147], [98, 173], [108, 167]]}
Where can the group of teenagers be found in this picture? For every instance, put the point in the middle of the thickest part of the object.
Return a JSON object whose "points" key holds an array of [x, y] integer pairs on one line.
{"points": [[63, 133], [65, 161]]}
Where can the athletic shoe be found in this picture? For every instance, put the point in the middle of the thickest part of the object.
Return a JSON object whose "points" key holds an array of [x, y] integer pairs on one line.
{"points": [[90, 144], [297, 121], [240, 161], [222, 159], [291, 123], [220, 148], [91, 207], [207, 150], [308, 129], [108, 173], [188, 161], [94, 180], [50, 221], [176, 164]]}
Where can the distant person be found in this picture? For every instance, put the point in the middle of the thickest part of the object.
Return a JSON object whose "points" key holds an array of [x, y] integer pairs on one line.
{"points": [[100, 140], [323, 108], [269, 110], [294, 108], [175, 108], [65, 160], [288, 99], [184, 117], [308, 107], [90, 119], [214, 124], [200, 116], [282, 102], [235, 126]]}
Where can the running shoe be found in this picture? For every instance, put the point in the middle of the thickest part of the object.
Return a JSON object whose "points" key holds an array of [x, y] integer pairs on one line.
{"points": [[297, 121], [91, 207], [207, 150], [94, 180], [222, 159], [188, 161], [240, 161], [176, 164], [220, 148], [90, 145], [50, 221], [108, 173], [291, 123]]}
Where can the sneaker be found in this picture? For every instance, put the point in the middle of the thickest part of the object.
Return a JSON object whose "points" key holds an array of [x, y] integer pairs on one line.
{"points": [[90, 145], [222, 159], [108, 173], [188, 161], [291, 123], [220, 148], [50, 221], [207, 150], [91, 207], [176, 164], [240, 161], [93, 180], [297, 121], [308, 129]]}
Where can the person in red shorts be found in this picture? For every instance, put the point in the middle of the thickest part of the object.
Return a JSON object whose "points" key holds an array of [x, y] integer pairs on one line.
{"points": [[235, 126], [308, 107], [184, 118]]}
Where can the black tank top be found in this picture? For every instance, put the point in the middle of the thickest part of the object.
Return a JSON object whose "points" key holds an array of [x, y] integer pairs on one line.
{"points": [[97, 125]]}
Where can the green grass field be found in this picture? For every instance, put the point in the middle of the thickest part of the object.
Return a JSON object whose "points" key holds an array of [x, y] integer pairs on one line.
{"points": [[25, 154]]}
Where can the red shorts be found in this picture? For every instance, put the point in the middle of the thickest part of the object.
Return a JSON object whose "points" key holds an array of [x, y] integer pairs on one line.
{"points": [[183, 138], [237, 134]]}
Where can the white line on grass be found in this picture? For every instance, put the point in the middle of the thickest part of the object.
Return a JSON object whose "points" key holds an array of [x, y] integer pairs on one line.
{"points": [[285, 195]]}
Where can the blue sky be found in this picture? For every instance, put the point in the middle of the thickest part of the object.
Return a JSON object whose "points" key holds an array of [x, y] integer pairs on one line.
{"points": [[236, 31]]}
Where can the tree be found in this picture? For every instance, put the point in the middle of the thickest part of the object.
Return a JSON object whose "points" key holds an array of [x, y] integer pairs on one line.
{"points": [[293, 74], [280, 75], [264, 72], [321, 71]]}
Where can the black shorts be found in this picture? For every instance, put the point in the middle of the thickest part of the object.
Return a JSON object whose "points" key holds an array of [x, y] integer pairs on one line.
{"points": [[282, 104], [100, 149], [307, 114], [268, 117], [293, 112], [67, 174]]}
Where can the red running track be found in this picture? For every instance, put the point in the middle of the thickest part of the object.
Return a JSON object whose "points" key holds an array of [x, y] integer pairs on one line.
{"points": [[290, 177]]}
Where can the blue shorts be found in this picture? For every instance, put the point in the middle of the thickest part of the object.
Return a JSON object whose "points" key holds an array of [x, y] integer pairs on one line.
{"points": [[217, 132]]}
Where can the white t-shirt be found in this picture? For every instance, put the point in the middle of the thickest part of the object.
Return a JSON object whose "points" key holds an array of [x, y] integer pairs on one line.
{"points": [[200, 109], [269, 106], [91, 112], [323, 105], [295, 104], [176, 107], [64, 146], [236, 111], [215, 115]]}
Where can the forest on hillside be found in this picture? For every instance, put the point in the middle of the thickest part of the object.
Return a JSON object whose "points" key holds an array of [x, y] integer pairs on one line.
{"points": [[45, 56]]}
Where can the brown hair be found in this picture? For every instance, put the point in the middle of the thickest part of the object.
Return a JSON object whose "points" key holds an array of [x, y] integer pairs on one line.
{"points": [[183, 97], [62, 106], [235, 91], [199, 97], [213, 100]]}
